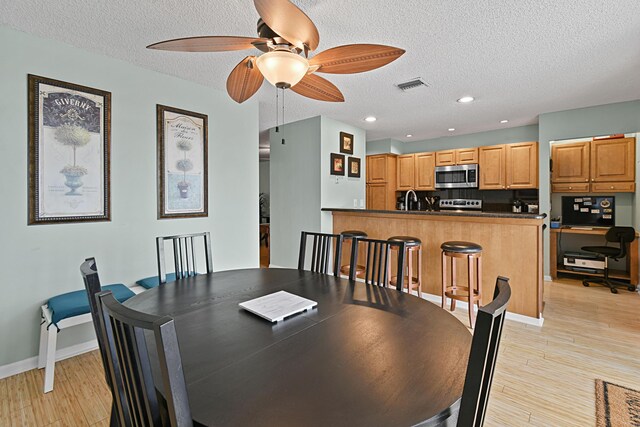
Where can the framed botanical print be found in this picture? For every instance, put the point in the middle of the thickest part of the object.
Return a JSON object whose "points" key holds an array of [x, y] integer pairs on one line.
{"points": [[337, 164], [354, 167], [182, 163], [346, 143], [69, 144]]}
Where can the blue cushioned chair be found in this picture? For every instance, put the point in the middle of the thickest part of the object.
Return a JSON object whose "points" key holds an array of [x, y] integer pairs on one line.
{"points": [[63, 311], [153, 281]]}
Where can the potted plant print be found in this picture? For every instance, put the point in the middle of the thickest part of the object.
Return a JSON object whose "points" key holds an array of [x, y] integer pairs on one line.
{"points": [[75, 137], [184, 165]]}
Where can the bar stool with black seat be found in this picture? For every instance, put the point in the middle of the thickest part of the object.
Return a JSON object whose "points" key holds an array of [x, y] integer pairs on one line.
{"points": [[414, 246], [470, 291], [621, 235], [348, 236]]}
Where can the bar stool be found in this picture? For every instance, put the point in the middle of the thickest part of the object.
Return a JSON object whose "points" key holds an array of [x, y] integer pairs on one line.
{"points": [[348, 236], [470, 291], [414, 246]]}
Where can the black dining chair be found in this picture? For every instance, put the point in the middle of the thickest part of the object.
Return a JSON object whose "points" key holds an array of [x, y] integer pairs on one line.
{"points": [[623, 236], [138, 399], [482, 358], [89, 272], [323, 245], [184, 255], [378, 261]]}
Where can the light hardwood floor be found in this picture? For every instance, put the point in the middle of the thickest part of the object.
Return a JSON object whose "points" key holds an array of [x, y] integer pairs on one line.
{"points": [[545, 375]]}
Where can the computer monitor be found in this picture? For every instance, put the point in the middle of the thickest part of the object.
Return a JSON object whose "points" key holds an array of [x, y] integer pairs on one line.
{"points": [[594, 211]]}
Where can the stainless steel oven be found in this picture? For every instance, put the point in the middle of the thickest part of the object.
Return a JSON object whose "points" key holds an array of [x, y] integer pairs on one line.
{"points": [[461, 176]]}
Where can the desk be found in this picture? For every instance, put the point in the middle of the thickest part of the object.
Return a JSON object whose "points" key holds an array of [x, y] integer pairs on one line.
{"points": [[631, 272], [365, 356]]}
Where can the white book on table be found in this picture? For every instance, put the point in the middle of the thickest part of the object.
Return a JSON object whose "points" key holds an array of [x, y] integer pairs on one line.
{"points": [[278, 305]]}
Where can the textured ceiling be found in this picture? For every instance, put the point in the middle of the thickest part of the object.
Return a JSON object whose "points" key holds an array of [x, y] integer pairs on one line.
{"points": [[518, 58]]}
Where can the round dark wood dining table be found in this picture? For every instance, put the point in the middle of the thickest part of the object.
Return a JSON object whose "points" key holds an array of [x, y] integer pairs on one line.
{"points": [[365, 356]]}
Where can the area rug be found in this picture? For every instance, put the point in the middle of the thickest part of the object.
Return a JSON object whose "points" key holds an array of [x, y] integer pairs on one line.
{"points": [[616, 406]]}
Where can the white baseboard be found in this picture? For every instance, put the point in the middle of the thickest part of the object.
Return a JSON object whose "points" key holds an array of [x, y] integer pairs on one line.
{"points": [[437, 299], [548, 279], [32, 362], [276, 266]]}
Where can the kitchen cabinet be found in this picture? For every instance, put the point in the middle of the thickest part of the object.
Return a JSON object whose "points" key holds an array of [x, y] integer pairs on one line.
{"points": [[492, 164], [522, 165], [406, 172], [613, 160], [598, 166], [570, 162], [446, 158], [461, 156], [466, 156], [508, 166], [381, 181], [425, 165]]}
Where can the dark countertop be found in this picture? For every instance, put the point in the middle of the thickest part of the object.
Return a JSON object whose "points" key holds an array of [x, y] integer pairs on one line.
{"points": [[480, 214]]}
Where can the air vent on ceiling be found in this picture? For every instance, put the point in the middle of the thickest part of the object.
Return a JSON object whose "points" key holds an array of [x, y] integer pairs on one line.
{"points": [[412, 84]]}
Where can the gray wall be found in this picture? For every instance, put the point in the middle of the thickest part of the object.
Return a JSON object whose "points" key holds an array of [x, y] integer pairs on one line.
{"points": [[295, 188], [42, 261], [494, 137], [301, 183]]}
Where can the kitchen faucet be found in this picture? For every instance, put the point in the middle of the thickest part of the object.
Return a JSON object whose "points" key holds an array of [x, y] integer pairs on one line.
{"points": [[406, 199]]}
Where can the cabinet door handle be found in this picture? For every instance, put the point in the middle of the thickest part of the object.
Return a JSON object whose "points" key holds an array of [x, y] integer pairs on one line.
{"points": [[570, 188], [611, 187]]}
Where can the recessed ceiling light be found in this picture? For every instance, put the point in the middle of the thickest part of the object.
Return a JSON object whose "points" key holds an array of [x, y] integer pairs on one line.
{"points": [[452, 129], [370, 119], [466, 99], [409, 135], [504, 121]]}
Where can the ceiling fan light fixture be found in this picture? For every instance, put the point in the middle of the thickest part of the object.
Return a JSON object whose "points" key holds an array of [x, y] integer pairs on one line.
{"points": [[281, 68]]}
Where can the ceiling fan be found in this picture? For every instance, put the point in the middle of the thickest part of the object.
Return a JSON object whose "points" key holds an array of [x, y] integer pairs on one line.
{"points": [[285, 33]]}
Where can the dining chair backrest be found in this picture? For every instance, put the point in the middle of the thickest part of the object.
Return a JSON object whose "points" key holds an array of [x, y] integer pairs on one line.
{"points": [[184, 255], [323, 245], [129, 368], [378, 261], [482, 358], [89, 272]]}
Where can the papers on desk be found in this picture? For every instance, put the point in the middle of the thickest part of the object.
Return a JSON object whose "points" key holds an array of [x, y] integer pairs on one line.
{"points": [[275, 307]]}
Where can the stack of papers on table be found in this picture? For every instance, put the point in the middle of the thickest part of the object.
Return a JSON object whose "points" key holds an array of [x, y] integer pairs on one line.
{"points": [[275, 307]]}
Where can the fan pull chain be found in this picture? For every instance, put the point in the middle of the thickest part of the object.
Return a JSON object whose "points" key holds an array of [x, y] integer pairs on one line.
{"points": [[277, 102], [283, 115]]}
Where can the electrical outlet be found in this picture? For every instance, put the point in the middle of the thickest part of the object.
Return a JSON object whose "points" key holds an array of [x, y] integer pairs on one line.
{"points": [[362, 203], [355, 203]]}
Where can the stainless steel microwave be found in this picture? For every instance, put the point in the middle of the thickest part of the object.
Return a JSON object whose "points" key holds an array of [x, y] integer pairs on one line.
{"points": [[461, 176]]}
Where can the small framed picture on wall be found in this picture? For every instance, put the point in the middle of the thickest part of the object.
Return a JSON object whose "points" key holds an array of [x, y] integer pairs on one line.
{"points": [[337, 164], [346, 143], [354, 167]]}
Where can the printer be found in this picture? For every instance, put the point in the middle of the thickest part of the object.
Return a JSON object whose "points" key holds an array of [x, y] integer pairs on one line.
{"points": [[583, 261]]}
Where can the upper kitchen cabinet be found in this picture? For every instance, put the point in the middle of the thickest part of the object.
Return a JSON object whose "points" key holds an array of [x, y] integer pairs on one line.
{"points": [[522, 165], [461, 156], [600, 166], [509, 166], [406, 172], [466, 156], [377, 168], [570, 162], [425, 166], [613, 160], [492, 164]]}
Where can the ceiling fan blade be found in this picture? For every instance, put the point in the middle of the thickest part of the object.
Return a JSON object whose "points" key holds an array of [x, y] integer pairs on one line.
{"points": [[289, 22], [316, 87], [244, 80], [355, 58], [207, 44]]}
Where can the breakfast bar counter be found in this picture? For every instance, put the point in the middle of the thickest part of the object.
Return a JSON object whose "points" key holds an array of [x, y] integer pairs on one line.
{"points": [[511, 242]]}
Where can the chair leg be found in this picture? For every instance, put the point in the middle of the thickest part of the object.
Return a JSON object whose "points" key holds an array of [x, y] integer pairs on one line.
{"points": [[444, 279], [472, 286], [454, 283], [42, 353], [50, 362], [420, 272]]}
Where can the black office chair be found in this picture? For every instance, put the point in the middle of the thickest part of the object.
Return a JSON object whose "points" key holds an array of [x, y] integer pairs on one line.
{"points": [[621, 235]]}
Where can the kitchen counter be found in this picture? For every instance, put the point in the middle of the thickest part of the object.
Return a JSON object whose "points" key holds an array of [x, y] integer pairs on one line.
{"points": [[470, 213], [511, 242]]}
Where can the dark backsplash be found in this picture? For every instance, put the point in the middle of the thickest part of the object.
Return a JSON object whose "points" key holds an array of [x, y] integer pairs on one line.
{"points": [[492, 200]]}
